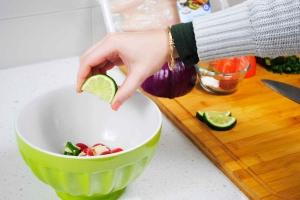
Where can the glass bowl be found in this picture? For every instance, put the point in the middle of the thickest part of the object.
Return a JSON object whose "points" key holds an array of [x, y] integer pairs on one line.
{"points": [[222, 76]]}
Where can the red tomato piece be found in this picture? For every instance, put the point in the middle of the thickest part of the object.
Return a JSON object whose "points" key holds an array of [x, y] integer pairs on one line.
{"points": [[81, 146], [116, 150], [98, 144], [101, 145], [106, 152], [84, 150], [90, 152], [228, 84], [252, 71], [227, 65]]}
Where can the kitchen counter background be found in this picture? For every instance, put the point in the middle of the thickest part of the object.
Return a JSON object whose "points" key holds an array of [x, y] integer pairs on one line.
{"points": [[36, 31], [178, 170]]}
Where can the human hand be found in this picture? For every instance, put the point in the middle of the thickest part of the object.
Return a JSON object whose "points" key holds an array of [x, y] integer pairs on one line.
{"points": [[143, 53]]}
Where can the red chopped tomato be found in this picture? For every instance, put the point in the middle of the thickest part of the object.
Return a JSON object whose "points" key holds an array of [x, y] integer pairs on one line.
{"points": [[81, 146], [90, 152], [106, 152], [116, 150], [98, 144], [228, 84], [225, 66], [101, 145], [233, 65], [96, 150], [84, 150], [252, 71]]}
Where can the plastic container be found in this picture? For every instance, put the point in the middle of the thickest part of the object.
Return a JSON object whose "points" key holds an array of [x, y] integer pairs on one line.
{"points": [[139, 15], [190, 9], [144, 15], [222, 76]]}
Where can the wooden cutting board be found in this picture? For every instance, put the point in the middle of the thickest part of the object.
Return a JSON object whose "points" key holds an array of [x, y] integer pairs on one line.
{"points": [[261, 154]]}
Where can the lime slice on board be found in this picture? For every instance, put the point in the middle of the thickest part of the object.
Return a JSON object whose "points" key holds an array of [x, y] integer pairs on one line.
{"points": [[102, 86], [200, 114], [221, 121]]}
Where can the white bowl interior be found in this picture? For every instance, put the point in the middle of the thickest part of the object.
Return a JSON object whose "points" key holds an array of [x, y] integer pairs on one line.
{"points": [[50, 120]]}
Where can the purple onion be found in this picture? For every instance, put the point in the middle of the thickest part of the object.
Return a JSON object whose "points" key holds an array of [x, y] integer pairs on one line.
{"points": [[171, 84]]}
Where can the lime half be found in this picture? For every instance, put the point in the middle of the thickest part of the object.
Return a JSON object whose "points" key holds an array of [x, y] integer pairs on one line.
{"points": [[102, 86], [221, 121]]}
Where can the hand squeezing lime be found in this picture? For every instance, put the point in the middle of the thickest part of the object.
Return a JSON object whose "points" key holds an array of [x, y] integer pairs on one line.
{"points": [[102, 86]]}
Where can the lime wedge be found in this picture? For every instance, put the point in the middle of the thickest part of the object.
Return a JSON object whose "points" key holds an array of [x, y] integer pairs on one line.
{"points": [[102, 86], [221, 121], [200, 114]]}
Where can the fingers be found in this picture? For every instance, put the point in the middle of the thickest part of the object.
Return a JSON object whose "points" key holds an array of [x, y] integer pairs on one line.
{"points": [[91, 49], [82, 75], [127, 89], [81, 80], [142, 52], [97, 56], [108, 66]]}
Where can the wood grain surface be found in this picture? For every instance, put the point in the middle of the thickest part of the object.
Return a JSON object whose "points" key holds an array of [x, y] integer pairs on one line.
{"points": [[261, 154]]}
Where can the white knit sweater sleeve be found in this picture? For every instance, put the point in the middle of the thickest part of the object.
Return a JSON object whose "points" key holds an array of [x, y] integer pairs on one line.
{"points": [[264, 28]]}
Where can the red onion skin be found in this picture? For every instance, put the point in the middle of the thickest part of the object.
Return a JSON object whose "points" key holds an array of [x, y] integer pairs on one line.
{"points": [[171, 84]]}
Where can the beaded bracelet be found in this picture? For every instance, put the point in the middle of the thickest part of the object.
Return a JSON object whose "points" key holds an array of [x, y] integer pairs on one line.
{"points": [[171, 63]]}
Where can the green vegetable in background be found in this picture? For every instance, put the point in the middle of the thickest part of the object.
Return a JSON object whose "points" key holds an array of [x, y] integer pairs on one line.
{"points": [[280, 65]]}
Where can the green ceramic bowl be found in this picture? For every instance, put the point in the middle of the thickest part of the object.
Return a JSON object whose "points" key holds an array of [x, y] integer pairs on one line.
{"points": [[45, 124]]}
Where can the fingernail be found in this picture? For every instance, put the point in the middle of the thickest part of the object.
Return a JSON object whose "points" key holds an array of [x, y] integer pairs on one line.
{"points": [[116, 105]]}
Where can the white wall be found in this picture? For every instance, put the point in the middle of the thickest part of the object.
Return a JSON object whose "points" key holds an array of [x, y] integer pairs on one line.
{"points": [[38, 30], [34, 31]]}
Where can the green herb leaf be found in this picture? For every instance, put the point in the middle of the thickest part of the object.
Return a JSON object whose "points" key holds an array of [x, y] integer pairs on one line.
{"points": [[280, 65]]}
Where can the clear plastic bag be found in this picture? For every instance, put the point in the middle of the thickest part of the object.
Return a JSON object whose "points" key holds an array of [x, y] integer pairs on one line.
{"points": [[139, 15]]}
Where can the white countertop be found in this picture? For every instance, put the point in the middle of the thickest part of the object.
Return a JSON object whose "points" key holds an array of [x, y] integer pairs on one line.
{"points": [[179, 170]]}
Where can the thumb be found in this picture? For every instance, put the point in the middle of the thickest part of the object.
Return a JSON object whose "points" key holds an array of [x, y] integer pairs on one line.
{"points": [[126, 90]]}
